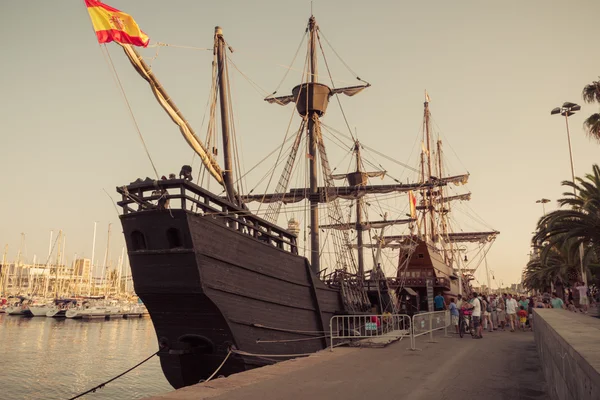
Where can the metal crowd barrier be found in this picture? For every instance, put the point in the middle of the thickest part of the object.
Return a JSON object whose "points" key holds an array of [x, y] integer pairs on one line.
{"points": [[429, 322], [384, 326]]}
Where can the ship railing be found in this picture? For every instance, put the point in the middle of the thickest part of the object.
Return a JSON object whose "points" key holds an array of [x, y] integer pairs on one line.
{"points": [[373, 329], [427, 323], [418, 282], [182, 194]]}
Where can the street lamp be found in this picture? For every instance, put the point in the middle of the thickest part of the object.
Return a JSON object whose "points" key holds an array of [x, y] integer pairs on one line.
{"points": [[543, 201], [566, 110]]}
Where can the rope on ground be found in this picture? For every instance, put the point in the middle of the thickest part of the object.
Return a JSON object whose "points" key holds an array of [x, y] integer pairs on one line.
{"points": [[100, 386], [220, 366]]}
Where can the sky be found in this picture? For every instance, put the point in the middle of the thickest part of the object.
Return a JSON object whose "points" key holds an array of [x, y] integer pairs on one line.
{"points": [[494, 70]]}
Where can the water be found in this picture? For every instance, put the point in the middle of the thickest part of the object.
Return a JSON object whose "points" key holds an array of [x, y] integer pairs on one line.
{"points": [[48, 358]]}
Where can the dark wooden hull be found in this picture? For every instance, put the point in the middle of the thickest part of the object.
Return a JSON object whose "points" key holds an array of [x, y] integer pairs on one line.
{"points": [[209, 288]]}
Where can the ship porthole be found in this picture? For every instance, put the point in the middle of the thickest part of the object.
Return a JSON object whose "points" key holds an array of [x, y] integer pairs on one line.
{"points": [[174, 238], [138, 241]]}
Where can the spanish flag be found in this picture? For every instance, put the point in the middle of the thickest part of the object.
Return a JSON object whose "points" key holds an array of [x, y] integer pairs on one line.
{"points": [[111, 24], [413, 204]]}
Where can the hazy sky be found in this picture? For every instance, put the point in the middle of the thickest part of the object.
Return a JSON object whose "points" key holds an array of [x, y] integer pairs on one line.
{"points": [[494, 72]]}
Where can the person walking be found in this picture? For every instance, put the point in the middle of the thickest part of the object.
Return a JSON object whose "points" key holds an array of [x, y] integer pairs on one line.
{"points": [[476, 306], [454, 314], [488, 314], [501, 308], [583, 296], [494, 314], [557, 302], [511, 311]]}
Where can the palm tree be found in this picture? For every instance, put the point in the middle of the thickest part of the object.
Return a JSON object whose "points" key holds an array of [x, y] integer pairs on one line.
{"points": [[578, 226], [555, 265], [591, 94]]}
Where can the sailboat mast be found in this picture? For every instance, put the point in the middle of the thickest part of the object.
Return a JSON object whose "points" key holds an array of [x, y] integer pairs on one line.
{"points": [[4, 271], [359, 228], [313, 120], [223, 79]]}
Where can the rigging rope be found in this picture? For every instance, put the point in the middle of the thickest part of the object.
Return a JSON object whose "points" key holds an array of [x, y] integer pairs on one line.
{"points": [[116, 75], [100, 386]]}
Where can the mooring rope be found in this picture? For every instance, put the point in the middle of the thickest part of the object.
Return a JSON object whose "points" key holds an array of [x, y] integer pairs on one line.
{"points": [[100, 386]]}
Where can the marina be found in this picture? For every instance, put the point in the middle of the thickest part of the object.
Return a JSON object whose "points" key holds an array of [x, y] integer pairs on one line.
{"points": [[55, 359]]}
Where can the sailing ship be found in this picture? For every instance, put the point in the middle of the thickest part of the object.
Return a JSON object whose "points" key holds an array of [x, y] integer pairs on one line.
{"points": [[228, 289]]}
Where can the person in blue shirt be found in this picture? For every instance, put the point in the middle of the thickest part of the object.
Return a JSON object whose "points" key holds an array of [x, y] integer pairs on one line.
{"points": [[439, 302], [454, 314]]}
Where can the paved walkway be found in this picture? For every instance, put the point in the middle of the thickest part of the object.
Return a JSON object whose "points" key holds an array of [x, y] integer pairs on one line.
{"points": [[502, 365]]}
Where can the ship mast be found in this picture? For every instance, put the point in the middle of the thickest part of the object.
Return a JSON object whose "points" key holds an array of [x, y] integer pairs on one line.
{"points": [[223, 80], [429, 199], [359, 227], [313, 121]]}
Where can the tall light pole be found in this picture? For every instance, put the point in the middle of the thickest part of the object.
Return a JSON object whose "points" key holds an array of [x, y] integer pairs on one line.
{"points": [[566, 110], [543, 201]]}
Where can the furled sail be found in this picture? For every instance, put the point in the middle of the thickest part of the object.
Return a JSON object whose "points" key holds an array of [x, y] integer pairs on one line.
{"points": [[368, 225], [464, 196], [472, 237], [351, 192], [167, 104], [374, 174]]}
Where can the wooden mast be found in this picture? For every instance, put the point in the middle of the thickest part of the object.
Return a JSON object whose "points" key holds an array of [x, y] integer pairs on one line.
{"points": [[359, 227], [313, 121], [429, 202], [223, 79]]}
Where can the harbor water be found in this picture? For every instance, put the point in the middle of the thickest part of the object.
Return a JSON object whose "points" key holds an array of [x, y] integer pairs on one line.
{"points": [[48, 358]]}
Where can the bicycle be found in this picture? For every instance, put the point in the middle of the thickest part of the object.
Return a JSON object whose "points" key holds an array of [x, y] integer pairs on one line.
{"points": [[465, 324]]}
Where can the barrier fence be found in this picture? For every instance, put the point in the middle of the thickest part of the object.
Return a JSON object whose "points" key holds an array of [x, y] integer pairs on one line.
{"points": [[388, 326], [429, 322]]}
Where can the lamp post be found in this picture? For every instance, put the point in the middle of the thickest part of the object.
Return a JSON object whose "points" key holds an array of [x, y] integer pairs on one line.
{"points": [[543, 201], [566, 110]]}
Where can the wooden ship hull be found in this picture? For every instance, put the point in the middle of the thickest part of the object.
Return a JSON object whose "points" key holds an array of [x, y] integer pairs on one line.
{"points": [[210, 287]]}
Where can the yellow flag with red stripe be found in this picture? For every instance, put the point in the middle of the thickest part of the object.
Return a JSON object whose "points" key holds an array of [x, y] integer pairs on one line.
{"points": [[111, 24], [413, 204]]}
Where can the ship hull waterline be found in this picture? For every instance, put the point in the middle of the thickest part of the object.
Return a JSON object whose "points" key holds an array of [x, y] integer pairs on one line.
{"points": [[209, 288]]}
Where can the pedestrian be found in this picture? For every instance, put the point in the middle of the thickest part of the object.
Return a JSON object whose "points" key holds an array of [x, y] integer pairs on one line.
{"points": [[459, 301], [454, 314], [522, 317], [557, 302], [524, 303], [439, 302], [488, 314], [583, 297], [501, 307], [494, 305], [530, 312], [476, 316], [511, 311]]}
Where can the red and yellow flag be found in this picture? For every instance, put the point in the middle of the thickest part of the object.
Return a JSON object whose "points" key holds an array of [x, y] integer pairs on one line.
{"points": [[111, 24], [413, 204]]}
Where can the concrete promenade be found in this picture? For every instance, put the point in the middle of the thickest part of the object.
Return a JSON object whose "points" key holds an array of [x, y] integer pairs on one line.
{"points": [[501, 366]]}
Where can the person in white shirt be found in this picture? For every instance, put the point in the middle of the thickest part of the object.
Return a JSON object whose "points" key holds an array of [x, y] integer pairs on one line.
{"points": [[511, 311], [583, 297], [476, 307]]}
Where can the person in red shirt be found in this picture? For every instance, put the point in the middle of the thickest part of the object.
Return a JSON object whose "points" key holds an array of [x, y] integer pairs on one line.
{"points": [[522, 317]]}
